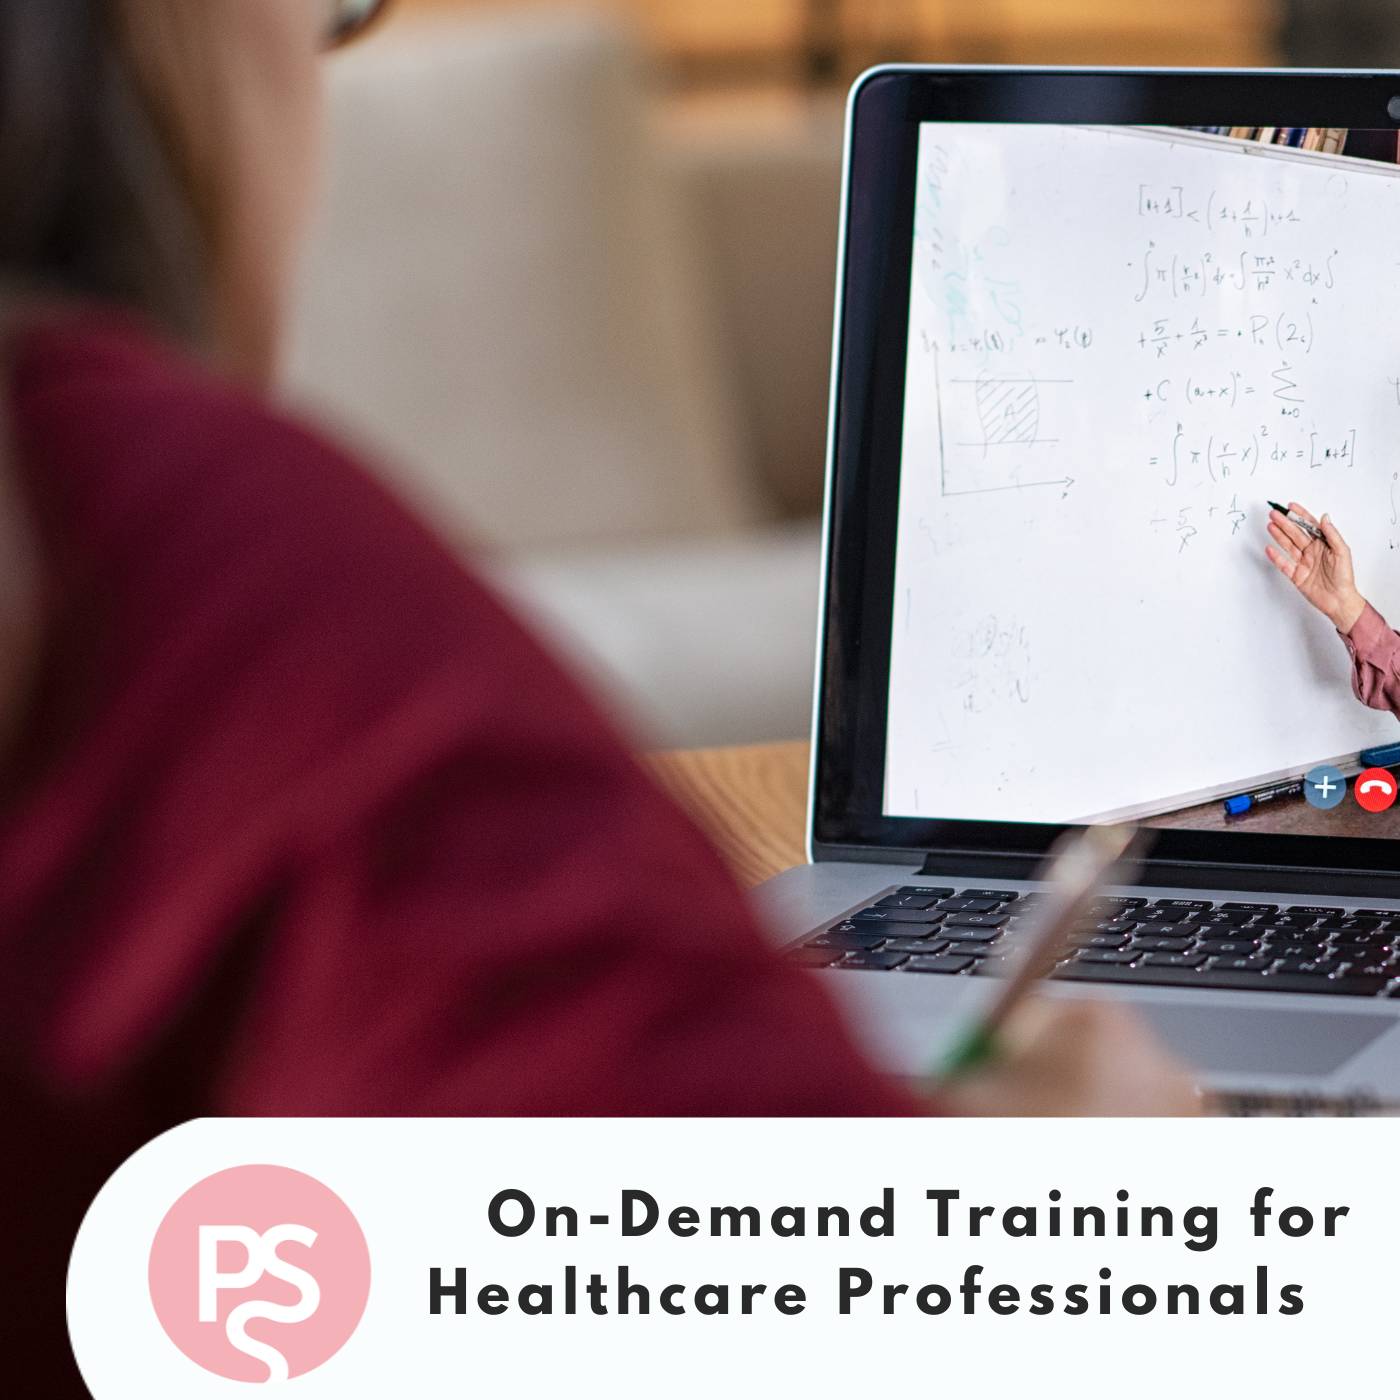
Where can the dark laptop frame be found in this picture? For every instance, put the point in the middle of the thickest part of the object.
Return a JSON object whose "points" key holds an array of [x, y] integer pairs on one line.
{"points": [[888, 106]]}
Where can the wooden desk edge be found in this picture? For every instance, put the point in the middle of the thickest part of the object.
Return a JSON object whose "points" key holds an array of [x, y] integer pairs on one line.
{"points": [[750, 801]]}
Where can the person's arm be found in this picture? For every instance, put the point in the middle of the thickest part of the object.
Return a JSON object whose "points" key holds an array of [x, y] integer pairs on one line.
{"points": [[1321, 570]]}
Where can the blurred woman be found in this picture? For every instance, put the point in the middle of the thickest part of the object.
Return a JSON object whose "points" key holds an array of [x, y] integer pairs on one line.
{"points": [[294, 818]]}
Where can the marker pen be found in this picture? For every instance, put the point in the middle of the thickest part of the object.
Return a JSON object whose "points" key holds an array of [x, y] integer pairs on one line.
{"points": [[1238, 806]]}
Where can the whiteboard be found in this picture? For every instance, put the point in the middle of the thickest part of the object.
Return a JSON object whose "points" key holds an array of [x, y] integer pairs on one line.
{"points": [[1121, 343]]}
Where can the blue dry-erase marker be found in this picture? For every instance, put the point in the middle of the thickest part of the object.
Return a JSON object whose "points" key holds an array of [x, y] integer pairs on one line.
{"points": [[1386, 756], [1238, 806]]}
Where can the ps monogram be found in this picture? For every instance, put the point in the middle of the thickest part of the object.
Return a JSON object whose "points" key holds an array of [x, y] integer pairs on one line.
{"points": [[293, 1268]]}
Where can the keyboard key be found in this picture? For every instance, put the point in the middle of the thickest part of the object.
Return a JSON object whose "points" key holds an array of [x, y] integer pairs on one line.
{"points": [[974, 921], [1125, 926], [1098, 940], [1292, 949], [906, 901], [1157, 914], [1323, 965], [932, 891], [1106, 955], [943, 963], [813, 957], [976, 950], [1001, 896], [974, 935], [1240, 947], [1183, 904], [1349, 985], [895, 916], [1223, 980], [1252, 908], [1317, 909], [1351, 952], [995, 967], [1161, 945], [1245, 964], [967, 906], [1155, 929], [916, 945], [1363, 969], [1231, 918], [874, 962], [848, 942], [1174, 960], [1289, 921]]}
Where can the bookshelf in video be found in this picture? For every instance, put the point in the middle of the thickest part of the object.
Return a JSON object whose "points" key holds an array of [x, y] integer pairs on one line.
{"points": [[1126, 345]]}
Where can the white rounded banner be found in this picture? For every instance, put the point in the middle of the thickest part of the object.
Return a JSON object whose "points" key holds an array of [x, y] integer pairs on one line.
{"points": [[754, 1257]]}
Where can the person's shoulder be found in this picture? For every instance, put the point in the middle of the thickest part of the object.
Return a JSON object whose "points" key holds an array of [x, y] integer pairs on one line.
{"points": [[125, 437]]}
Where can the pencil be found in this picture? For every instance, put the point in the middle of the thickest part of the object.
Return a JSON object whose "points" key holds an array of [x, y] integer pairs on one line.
{"points": [[1080, 867]]}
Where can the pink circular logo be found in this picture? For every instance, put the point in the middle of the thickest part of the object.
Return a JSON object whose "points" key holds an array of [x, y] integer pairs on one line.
{"points": [[259, 1273]]}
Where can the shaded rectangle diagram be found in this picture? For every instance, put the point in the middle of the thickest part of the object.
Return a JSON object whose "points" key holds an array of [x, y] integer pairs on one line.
{"points": [[991, 432]]}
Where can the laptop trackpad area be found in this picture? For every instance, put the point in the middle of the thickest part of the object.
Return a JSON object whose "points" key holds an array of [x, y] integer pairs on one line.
{"points": [[1263, 1041]]}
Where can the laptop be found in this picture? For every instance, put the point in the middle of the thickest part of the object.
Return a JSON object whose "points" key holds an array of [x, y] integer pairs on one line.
{"points": [[1089, 324]]}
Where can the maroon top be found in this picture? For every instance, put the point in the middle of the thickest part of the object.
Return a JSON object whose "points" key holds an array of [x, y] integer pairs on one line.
{"points": [[304, 823], [1375, 657]]}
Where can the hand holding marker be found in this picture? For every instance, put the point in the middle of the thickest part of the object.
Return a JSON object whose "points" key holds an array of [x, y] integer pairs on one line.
{"points": [[1301, 521], [1312, 555]]}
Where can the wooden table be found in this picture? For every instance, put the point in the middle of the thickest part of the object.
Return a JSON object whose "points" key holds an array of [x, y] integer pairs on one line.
{"points": [[752, 802]]}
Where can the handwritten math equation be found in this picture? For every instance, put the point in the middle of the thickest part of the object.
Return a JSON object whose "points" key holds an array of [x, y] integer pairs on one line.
{"points": [[1288, 332], [1219, 456], [1192, 276], [1253, 218], [984, 342], [1184, 524]]}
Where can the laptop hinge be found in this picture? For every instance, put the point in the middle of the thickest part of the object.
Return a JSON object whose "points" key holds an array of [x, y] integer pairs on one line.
{"points": [[1183, 875]]}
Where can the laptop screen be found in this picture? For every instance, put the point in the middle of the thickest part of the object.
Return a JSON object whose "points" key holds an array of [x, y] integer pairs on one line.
{"points": [[1123, 344]]}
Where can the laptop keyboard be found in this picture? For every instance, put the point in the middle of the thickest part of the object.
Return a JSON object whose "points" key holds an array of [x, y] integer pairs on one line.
{"points": [[948, 932]]}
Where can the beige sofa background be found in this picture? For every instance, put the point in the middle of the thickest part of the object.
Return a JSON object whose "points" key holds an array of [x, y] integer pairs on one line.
{"points": [[592, 348]]}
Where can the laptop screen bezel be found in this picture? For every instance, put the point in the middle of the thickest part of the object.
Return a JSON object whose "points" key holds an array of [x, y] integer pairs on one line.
{"points": [[888, 106]]}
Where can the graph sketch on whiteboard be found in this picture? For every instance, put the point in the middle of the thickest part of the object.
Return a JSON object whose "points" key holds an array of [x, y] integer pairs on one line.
{"points": [[1008, 412], [991, 433]]}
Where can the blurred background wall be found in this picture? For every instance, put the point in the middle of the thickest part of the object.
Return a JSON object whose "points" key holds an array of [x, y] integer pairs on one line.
{"points": [[572, 289], [701, 42]]}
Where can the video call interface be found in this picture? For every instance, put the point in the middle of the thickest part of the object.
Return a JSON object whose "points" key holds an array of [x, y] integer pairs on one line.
{"points": [[1125, 343]]}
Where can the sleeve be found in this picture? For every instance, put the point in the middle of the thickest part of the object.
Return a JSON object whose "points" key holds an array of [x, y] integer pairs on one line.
{"points": [[533, 928], [1375, 654]]}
